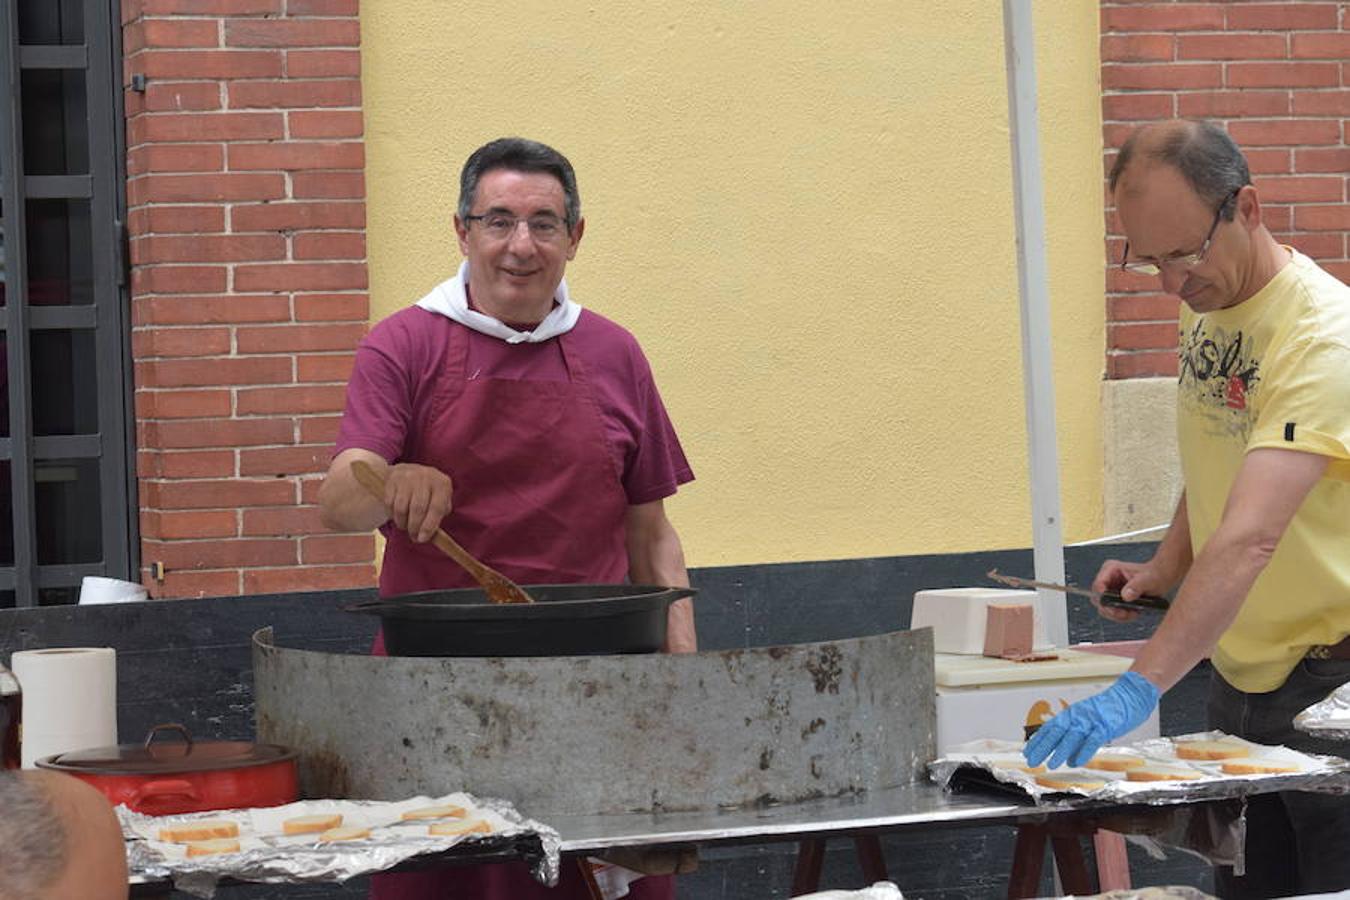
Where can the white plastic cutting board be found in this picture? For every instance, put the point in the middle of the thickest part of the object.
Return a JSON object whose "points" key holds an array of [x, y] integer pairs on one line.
{"points": [[959, 670]]}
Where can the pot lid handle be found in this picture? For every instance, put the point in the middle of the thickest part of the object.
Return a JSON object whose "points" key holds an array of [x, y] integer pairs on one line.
{"points": [[169, 726]]}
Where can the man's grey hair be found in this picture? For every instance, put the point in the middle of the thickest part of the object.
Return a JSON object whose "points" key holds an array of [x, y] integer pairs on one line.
{"points": [[1201, 151], [519, 155], [33, 848]]}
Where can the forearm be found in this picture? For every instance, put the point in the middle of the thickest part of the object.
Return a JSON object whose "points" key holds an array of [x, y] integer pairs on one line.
{"points": [[344, 505], [1173, 558], [655, 556]]}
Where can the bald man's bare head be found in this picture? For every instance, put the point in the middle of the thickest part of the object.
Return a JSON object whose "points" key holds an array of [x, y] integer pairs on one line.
{"points": [[1202, 152], [59, 840]]}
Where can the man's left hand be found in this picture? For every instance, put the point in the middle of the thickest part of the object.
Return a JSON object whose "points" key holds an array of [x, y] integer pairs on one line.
{"points": [[1076, 734]]}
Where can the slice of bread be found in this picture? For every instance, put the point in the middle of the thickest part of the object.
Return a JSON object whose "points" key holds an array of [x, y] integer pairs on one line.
{"points": [[344, 833], [311, 824], [434, 812], [203, 830], [1063, 781], [1114, 762], [212, 847], [1160, 773], [1253, 766], [1210, 750], [471, 826]]}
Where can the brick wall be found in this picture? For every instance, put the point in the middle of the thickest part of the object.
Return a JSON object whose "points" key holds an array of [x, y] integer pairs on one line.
{"points": [[246, 221], [1277, 75]]}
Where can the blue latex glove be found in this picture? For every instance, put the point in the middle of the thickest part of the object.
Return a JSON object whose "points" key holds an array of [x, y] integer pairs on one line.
{"points": [[1076, 734]]}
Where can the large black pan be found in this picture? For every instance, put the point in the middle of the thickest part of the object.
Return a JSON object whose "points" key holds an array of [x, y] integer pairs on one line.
{"points": [[564, 620]]}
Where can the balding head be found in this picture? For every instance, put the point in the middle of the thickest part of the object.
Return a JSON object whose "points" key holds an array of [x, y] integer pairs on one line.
{"points": [[1201, 152], [59, 840]]}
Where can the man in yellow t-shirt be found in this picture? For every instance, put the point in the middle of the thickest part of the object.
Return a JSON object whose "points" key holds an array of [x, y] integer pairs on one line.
{"points": [[1260, 542]]}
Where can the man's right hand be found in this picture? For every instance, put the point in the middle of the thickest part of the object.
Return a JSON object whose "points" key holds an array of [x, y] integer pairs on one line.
{"points": [[1131, 580], [418, 498]]}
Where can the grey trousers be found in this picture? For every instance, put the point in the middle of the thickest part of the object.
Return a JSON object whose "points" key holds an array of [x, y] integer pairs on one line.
{"points": [[1297, 843]]}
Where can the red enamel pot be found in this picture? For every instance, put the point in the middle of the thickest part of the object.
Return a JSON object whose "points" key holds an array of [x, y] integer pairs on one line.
{"points": [[167, 777]]}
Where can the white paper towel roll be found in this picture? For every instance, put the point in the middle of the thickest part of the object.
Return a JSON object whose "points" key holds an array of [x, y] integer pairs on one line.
{"points": [[69, 699]]}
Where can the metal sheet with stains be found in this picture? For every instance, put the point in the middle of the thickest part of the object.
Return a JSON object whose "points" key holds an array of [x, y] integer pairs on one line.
{"points": [[606, 734]]}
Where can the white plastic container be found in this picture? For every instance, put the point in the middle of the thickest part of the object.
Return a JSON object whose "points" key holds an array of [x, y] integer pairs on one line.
{"points": [[957, 616]]}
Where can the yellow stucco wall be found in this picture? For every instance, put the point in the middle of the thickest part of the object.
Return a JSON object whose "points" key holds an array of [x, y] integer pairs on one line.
{"points": [[804, 213]]}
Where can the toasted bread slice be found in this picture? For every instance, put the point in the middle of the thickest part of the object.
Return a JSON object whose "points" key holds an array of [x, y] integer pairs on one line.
{"points": [[203, 830], [1160, 773], [434, 812], [1210, 750], [469, 826], [311, 824], [344, 833], [212, 847], [1063, 781], [1253, 766], [1113, 762]]}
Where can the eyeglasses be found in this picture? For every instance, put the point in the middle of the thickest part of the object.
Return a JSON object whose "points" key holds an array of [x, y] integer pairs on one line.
{"points": [[545, 229], [1176, 263]]}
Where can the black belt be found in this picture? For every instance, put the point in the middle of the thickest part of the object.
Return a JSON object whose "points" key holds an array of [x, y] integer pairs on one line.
{"points": [[1331, 651]]}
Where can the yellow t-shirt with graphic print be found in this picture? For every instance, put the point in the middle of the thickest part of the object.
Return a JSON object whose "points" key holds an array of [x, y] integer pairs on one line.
{"points": [[1273, 371]]}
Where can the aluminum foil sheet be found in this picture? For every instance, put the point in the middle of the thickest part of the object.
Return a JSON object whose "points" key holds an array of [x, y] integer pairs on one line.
{"points": [[268, 855], [1171, 892], [1002, 760], [1329, 718]]}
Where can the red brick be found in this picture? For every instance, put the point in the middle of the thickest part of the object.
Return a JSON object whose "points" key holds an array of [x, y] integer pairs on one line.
{"points": [[180, 555], [175, 158], [220, 186], [337, 548], [279, 461], [177, 279], [1114, 134], [298, 155], [1131, 107], [325, 123], [209, 63], [304, 400], [1118, 281], [175, 524], [220, 126], [287, 94], [208, 248], [230, 370], [228, 309], [1322, 46], [1333, 159], [322, 7], [182, 404], [1232, 46], [293, 33], [1277, 217], [186, 464], [1179, 76], [284, 521], [1268, 162], [332, 307], [1281, 16], [229, 493], [1322, 218], [1284, 132], [329, 245], [1142, 336], [211, 7], [298, 338], [1322, 103], [1141, 365], [1296, 189], [176, 220], [301, 277], [1294, 74], [308, 578], [216, 583], [1318, 245], [323, 63], [335, 367], [175, 435], [1138, 47], [150, 343], [1233, 104], [334, 185], [1143, 308], [180, 96], [1163, 17], [1338, 270], [297, 216], [180, 33], [318, 430]]}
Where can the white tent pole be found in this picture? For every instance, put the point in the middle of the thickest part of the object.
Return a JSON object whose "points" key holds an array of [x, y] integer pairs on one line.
{"points": [[1037, 378]]}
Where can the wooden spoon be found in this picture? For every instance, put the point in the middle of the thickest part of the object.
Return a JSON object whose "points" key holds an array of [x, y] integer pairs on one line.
{"points": [[499, 588]]}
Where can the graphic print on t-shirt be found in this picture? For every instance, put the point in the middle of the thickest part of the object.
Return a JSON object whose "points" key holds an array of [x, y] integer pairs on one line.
{"points": [[1218, 371]]}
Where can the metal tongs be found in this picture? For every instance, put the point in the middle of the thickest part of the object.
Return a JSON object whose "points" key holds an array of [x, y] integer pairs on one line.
{"points": [[1144, 603]]}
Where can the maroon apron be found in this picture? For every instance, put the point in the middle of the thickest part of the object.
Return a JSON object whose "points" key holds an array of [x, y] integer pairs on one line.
{"points": [[537, 496]]}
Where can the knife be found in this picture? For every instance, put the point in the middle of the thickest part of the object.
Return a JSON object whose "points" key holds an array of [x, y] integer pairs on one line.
{"points": [[1144, 603]]}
